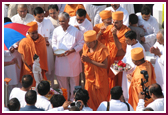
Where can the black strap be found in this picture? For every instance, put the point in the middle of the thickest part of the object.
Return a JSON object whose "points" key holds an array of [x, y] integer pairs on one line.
{"points": [[127, 106], [108, 104]]}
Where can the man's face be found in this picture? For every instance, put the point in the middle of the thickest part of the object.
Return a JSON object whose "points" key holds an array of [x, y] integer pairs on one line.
{"points": [[63, 22], [39, 17], [128, 41], [118, 24], [115, 6], [107, 21], [33, 35], [22, 12], [146, 17], [160, 38], [90, 44], [80, 19], [53, 13]]}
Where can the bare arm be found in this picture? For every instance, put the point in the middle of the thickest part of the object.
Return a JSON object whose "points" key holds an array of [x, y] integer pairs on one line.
{"points": [[120, 52]]}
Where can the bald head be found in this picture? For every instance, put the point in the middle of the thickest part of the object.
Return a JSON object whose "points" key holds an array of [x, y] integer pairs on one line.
{"points": [[160, 36], [22, 10], [22, 6]]}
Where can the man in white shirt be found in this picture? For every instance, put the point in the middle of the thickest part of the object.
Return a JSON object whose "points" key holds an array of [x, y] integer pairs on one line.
{"points": [[158, 50], [45, 28], [150, 25], [131, 41], [67, 66], [80, 21], [53, 14], [59, 103], [22, 16], [42, 102], [19, 93], [115, 104], [156, 94], [117, 7]]}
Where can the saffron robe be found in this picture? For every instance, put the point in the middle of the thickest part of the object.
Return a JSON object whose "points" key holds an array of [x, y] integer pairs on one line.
{"points": [[135, 86], [28, 47], [96, 78]]}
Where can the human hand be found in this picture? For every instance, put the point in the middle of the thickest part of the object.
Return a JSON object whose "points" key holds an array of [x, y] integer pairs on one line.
{"points": [[47, 43], [14, 61], [129, 77], [152, 49], [142, 39], [155, 51], [141, 95], [66, 104], [85, 59], [114, 31], [102, 29], [69, 52], [77, 27], [12, 49], [142, 26]]}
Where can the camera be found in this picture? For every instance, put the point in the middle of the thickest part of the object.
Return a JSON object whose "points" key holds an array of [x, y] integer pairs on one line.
{"points": [[144, 88], [76, 103]]}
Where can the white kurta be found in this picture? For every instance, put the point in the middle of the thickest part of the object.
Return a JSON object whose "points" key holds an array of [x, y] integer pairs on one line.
{"points": [[68, 66], [127, 59], [93, 12], [19, 94], [12, 71], [115, 105], [57, 109], [54, 22], [126, 14], [45, 28], [84, 26], [156, 105], [17, 19], [152, 27], [86, 109], [43, 103], [128, 7], [159, 66]]}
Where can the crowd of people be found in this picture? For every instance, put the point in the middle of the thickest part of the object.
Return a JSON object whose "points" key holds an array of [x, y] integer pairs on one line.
{"points": [[93, 37]]}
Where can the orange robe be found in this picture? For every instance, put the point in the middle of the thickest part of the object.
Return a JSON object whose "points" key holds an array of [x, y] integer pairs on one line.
{"points": [[135, 86], [72, 8], [107, 40], [96, 78], [28, 47]]}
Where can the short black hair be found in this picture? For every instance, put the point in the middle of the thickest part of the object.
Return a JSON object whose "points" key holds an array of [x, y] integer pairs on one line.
{"points": [[81, 12], [43, 87], [31, 97], [35, 56], [13, 104], [82, 94], [156, 90], [116, 92], [57, 100], [131, 35], [145, 10], [148, 109], [6, 19], [53, 6], [133, 19], [27, 81], [38, 10]]}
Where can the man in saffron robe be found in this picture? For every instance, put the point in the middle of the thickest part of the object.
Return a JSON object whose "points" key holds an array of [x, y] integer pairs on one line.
{"points": [[114, 38], [95, 62], [72, 8], [34, 43], [100, 28], [135, 78]]}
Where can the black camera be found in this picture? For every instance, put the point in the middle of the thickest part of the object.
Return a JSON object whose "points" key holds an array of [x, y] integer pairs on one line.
{"points": [[144, 88], [76, 103]]}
